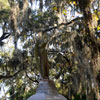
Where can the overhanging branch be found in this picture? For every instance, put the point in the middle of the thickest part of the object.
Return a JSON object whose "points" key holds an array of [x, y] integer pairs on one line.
{"points": [[4, 36], [55, 27], [10, 76], [36, 81]]}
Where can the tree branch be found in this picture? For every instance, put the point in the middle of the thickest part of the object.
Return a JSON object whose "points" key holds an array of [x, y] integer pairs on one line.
{"points": [[10, 76], [31, 78], [4, 36], [55, 27]]}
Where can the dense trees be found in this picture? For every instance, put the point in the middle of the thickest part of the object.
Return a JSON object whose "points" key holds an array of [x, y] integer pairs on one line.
{"points": [[70, 29]]}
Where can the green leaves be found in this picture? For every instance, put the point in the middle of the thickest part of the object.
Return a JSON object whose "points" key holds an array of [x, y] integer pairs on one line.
{"points": [[4, 10], [70, 46], [98, 27], [4, 4], [64, 12], [4, 14]]}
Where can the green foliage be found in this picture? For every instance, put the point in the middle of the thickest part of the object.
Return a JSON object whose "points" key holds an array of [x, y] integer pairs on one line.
{"points": [[4, 10], [72, 47], [4, 4], [80, 97]]}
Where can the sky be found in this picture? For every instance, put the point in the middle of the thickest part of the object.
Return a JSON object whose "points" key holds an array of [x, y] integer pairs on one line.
{"points": [[1, 30], [8, 44], [2, 87], [3, 90]]}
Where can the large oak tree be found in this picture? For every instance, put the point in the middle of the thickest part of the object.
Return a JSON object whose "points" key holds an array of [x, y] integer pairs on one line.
{"points": [[71, 31]]}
